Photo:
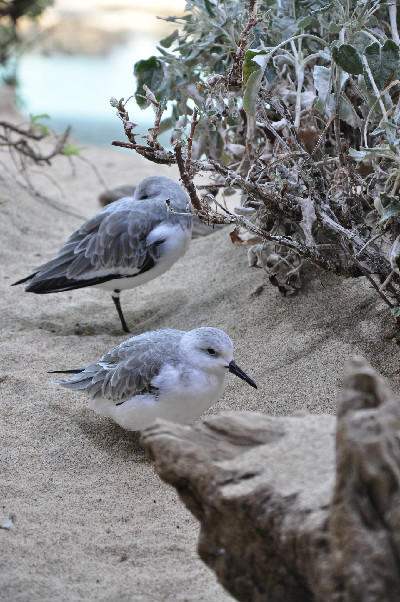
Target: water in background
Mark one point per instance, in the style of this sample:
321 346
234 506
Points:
76 90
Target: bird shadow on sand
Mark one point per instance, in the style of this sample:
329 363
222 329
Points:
91 319
106 436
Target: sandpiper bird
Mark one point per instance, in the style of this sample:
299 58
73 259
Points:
170 374
126 244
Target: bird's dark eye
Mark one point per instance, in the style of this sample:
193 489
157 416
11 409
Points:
211 351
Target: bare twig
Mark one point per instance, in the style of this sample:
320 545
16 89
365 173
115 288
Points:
235 75
266 123
372 281
206 186
354 239
322 136
282 158
23 146
159 109
30 132
272 200
369 242
132 146
124 116
188 184
387 281
190 139
155 155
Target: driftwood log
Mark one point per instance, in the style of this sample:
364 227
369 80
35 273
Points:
286 515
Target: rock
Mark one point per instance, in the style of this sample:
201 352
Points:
284 517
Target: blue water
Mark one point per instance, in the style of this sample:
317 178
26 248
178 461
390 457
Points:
76 91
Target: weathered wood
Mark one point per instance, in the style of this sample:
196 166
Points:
285 518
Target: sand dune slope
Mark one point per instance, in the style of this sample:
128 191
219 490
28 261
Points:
92 521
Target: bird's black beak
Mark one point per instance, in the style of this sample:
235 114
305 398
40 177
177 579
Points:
239 372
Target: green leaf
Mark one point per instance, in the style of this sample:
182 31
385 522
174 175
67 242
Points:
166 124
209 8
357 155
369 153
249 66
255 66
35 124
391 60
251 92
347 57
285 27
390 206
348 113
384 62
43 128
256 60
69 150
216 145
174 18
335 28
303 23
395 311
267 66
150 73
169 40
34 118
322 82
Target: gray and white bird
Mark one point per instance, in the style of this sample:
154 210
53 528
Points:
126 244
170 374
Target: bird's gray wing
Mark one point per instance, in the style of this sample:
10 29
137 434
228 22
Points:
113 240
128 369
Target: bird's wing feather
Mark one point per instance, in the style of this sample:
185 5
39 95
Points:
128 369
115 238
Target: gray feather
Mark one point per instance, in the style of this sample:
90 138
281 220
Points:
128 369
116 236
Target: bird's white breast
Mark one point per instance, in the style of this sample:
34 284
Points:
188 392
183 396
177 240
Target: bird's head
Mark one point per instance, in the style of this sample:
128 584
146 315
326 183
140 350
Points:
212 350
161 187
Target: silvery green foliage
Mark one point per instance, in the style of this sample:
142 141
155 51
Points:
305 121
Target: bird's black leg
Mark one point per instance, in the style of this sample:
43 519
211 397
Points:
115 297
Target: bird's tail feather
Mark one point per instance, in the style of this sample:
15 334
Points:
74 383
83 379
24 279
72 371
43 286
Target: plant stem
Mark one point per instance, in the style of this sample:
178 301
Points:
372 281
336 123
393 22
374 86
300 81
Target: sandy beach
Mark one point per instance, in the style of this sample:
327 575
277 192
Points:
91 521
